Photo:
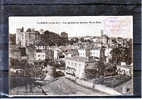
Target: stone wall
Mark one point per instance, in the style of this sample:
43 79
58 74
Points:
99 87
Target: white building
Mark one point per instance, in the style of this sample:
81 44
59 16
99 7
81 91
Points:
23 39
40 55
107 51
108 54
55 54
75 67
95 52
19 33
83 52
26 38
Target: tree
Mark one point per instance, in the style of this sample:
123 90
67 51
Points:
130 58
53 39
121 53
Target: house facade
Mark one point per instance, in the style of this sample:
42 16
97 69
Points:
26 38
84 52
75 67
40 55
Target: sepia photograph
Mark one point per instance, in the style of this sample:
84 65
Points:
71 55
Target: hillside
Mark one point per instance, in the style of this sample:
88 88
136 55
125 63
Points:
52 39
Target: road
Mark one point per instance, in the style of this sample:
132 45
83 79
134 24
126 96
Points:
61 86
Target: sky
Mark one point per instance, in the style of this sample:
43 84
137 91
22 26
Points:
76 26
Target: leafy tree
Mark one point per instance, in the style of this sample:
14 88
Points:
121 53
52 39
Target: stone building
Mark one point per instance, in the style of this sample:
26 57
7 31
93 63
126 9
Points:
80 67
84 52
93 52
31 37
19 33
40 55
26 38
75 67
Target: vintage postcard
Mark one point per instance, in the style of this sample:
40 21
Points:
71 55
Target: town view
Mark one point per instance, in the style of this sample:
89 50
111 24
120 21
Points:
42 62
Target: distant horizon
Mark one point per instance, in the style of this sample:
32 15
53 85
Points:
77 26
73 36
